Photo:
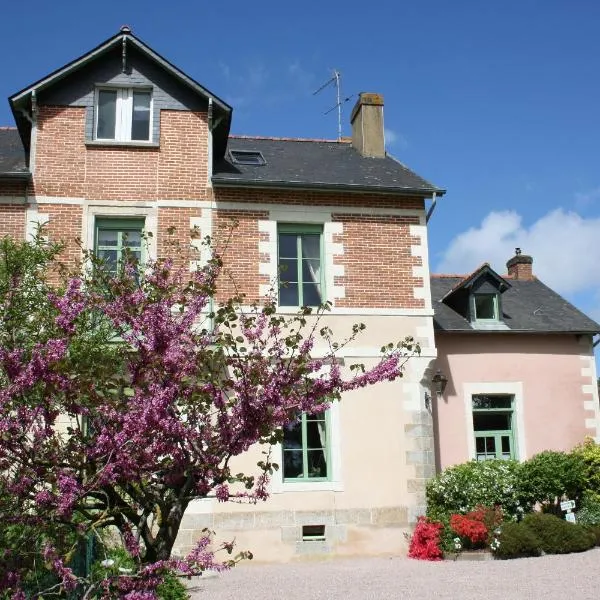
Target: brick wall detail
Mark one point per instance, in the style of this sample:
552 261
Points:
378 261
12 220
66 167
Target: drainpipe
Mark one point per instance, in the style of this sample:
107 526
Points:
431 208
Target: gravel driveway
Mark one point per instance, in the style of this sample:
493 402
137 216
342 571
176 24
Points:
567 577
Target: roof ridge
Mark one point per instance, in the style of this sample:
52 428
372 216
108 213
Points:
7 128
285 139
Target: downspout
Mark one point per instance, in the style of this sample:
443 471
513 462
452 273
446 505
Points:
209 173
431 208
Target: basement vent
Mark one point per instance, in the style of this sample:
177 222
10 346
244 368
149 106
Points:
313 533
247 157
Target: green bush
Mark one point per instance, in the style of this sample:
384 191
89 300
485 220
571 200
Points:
589 510
172 588
595 531
517 541
549 475
558 536
589 453
461 488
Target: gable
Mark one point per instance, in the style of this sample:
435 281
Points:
121 60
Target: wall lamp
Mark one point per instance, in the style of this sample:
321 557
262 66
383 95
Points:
438 385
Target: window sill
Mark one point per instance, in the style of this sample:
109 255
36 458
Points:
116 143
307 486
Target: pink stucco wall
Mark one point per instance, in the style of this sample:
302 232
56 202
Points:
549 368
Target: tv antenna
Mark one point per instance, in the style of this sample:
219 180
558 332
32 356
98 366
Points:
336 80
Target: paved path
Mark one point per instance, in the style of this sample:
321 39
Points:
568 577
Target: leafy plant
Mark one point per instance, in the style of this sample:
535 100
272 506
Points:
549 476
516 541
425 540
589 509
172 588
470 529
589 453
558 536
462 488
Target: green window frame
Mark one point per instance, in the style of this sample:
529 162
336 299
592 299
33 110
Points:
494 426
114 238
300 260
485 307
307 448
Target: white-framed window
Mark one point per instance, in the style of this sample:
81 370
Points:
123 114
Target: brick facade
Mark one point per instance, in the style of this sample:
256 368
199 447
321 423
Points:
67 167
12 220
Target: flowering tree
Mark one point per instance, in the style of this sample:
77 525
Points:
123 398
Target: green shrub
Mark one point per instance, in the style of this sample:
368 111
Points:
461 488
172 588
516 541
549 475
589 453
558 536
595 531
589 510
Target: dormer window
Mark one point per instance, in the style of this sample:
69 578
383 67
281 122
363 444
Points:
484 307
123 114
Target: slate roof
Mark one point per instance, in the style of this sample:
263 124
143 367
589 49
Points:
321 164
527 306
12 155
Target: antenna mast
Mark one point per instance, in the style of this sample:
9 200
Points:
336 79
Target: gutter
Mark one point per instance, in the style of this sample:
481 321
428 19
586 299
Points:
24 176
227 183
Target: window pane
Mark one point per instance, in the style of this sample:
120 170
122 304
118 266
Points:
108 237
485 306
288 269
288 295
317 467
132 238
107 107
311 294
140 120
292 464
110 259
288 247
311 245
481 401
490 421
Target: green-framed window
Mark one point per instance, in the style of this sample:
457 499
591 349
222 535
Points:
306 448
115 238
494 426
485 307
300 262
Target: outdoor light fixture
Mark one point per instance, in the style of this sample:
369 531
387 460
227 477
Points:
438 385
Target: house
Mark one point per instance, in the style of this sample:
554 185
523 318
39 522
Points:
519 365
120 141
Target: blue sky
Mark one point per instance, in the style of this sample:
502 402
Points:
498 102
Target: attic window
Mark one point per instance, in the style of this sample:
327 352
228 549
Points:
485 307
247 157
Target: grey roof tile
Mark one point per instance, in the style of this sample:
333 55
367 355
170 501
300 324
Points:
12 155
318 163
527 306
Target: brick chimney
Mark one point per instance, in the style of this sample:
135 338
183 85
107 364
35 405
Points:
519 266
367 125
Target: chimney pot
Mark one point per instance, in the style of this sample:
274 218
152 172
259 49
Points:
367 125
520 266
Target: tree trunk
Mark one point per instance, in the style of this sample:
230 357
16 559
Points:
163 542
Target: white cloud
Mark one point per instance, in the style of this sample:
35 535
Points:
565 248
392 138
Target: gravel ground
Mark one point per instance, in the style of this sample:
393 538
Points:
568 577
